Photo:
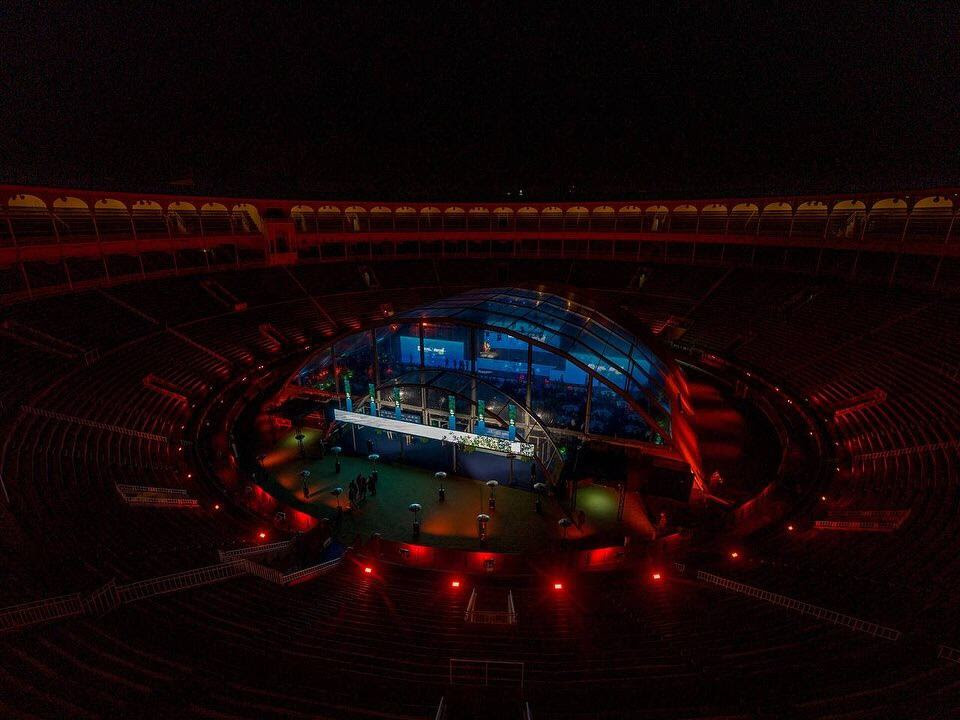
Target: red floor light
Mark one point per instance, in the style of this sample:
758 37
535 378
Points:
558 586
790 528
263 535
734 554
217 506
455 583
656 576
368 570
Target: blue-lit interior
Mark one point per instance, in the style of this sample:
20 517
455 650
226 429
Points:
567 367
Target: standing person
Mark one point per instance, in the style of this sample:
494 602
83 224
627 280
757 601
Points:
352 494
372 484
362 482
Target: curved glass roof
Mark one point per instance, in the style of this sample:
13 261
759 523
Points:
588 337
572 370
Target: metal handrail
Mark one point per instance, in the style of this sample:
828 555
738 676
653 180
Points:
486 665
110 596
255 550
803 608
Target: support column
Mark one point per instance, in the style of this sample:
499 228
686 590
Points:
376 357
586 417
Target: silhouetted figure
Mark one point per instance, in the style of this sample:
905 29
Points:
362 487
372 483
369 446
352 492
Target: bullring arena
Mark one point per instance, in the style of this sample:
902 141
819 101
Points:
640 459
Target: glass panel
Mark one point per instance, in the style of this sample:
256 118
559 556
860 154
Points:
558 391
446 346
316 374
496 415
355 361
611 415
398 349
502 362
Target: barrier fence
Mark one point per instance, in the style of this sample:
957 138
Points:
948 653
179 581
41 611
161 502
131 489
803 608
255 550
856 525
486 673
111 596
53 415
300 576
490 617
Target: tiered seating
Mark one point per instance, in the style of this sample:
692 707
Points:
351 646
250 649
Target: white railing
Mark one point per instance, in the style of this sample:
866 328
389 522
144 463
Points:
309 573
179 581
125 488
441 713
40 611
681 568
897 516
948 653
112 596
255 550
857 525
803 608
261 571
161 502
486 673
490 617
471 604
102 601
493 617
53 415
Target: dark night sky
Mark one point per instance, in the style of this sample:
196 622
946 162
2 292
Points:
416 100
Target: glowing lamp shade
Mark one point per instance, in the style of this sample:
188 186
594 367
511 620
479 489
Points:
217 506
455 584
656 576
734 554
790 528
263 535
368 570
558 586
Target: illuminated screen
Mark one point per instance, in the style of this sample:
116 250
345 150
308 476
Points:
436 353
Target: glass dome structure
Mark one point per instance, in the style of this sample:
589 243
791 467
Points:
554 366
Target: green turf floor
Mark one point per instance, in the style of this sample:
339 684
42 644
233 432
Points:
514 525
